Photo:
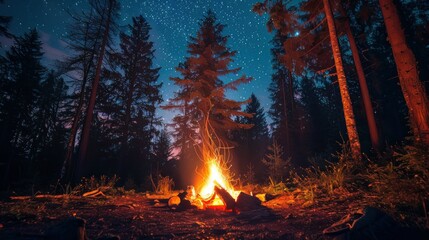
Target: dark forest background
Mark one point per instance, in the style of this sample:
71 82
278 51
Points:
95 113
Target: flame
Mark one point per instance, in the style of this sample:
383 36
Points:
216 177
215 155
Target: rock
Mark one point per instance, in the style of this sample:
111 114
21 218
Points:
70 229
265 197
246 202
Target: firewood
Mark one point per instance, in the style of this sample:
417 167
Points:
209 199
37 197
91 193
246 202
226 198
20 197
174 201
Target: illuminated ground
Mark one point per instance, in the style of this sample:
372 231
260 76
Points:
136 217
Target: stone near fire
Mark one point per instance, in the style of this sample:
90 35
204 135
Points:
265 197
246 202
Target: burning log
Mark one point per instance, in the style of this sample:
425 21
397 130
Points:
174 201
180 202
209 199
226 198
246 202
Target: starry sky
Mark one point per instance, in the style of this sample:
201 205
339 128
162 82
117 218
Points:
172 22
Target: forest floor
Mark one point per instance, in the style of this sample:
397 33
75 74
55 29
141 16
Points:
139 216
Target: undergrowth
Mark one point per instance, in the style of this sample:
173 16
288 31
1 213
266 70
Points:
164 185
105 184
397 181
334 178
400 182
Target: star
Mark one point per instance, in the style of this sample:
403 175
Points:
173 22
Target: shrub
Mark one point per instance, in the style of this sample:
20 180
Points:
103 183
404 180
274 187
165 185
332 178
275 163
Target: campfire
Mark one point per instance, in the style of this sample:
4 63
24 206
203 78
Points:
216 192
214 189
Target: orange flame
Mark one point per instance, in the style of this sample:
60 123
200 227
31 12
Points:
216 177
215 155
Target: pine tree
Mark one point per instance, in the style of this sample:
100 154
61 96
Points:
412 88
317 137
345 96
282 97
162 151
280 19
414 15
50 127
108 11
369 111
275 163
134 91
22 91
84 39
389 105
255 139
202 92
259 129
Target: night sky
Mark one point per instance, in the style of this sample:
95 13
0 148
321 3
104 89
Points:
172 22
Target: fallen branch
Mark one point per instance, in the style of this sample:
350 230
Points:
93 193
38 196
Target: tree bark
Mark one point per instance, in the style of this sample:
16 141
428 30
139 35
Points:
406 65
127 120
369 111
67 169
83 148
342 82
286 118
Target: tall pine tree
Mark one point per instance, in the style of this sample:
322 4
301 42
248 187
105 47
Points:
21 92
84 40
254 140
134 96
107 14
203 91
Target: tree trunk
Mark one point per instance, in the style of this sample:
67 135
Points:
124 160
342 82
286 119
83 148
67 169
369 111
406 65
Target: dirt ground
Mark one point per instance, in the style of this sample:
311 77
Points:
141 217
